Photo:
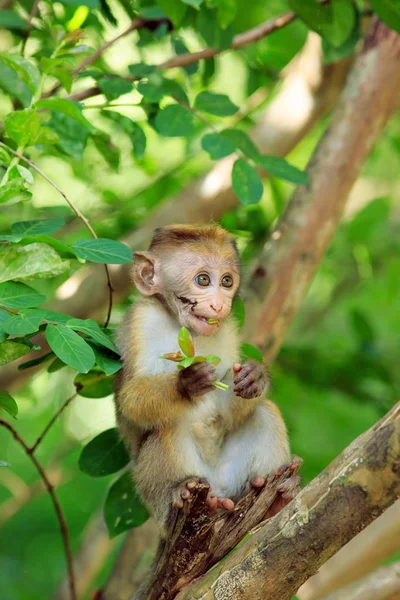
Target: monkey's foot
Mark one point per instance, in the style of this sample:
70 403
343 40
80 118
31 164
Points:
288 489
184 491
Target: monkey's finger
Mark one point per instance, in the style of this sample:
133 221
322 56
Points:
225 503
253 391
185 494
247 382
179 503
237 367
253 372
212 503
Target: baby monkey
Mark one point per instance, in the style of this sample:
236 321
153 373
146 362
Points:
180 429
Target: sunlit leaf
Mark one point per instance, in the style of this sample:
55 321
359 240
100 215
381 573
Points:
68 108
279 167
102 250
11 350
23 68
38 227
3 463
123 508
25 323
217 145
23 126
34 261
70 347
185 342
8 404
18 295
13 192
93 331
114 87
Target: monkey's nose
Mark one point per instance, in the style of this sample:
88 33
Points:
216 307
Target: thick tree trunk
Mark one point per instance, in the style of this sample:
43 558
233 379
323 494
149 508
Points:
352 491
285 268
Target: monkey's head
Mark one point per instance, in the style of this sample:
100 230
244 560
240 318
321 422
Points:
195 270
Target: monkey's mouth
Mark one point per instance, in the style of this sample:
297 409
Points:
207 320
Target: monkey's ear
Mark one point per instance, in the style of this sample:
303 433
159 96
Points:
145 276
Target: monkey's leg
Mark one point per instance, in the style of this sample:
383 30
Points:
255 449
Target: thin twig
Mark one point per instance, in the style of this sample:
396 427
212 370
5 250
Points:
51 423
135 24
32 15
189 58
78 214
56 503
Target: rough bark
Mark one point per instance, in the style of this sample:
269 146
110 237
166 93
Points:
197 541
360 556
382 584
289 260
360 484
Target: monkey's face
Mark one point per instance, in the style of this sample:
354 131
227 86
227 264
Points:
197 284
200 287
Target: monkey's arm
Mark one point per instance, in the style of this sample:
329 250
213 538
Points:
151 401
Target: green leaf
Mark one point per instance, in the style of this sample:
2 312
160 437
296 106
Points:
72 136
388 11
123 508
56 365
141 70
103 250
279 167
246 182
104 455
362 327
217 145
207 24
106 361
68 108
90 3
3 463
11 20
114 87
8 404
12 85
70 347
213 359
94 384
242 142
194 3
93 331
38 227
174 121
132 129
185 342
249 352
23 68
10 350
14 191
34 261
107 149
23 126
334 21
181 48
174 9
18 295
24 323
215 104
35 361
239 312
226 11
25 174
55 317
64 76
187 361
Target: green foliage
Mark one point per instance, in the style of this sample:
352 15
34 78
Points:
250 352
174 121
104 455
215 104
246 182
102 251
70 347
8 404
19 295
388 11
123 508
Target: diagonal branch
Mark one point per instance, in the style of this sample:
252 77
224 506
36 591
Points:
51 422
381 584
56 503
78 214
32 15
360 484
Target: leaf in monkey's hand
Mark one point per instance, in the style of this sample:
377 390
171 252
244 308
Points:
174 356
186 362
123 508
185 342
212 359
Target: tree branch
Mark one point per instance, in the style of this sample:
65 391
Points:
182 60
78 214
382 584
51 422
32 15
57 506
285 268
350 493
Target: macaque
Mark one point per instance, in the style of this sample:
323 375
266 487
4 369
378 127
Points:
180 429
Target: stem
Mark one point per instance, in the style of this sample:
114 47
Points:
76 211
56 503
33 13
51 423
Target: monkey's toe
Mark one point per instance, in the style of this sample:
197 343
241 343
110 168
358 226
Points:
294 465
291 487
219 502
258 482
184 490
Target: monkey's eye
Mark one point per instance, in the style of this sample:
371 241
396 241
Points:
203 279
227 281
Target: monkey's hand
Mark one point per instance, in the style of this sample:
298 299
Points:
197 379
251 380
